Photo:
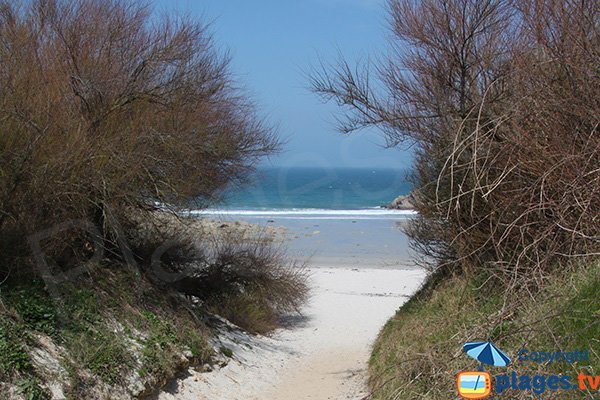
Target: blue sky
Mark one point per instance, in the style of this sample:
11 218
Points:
274 43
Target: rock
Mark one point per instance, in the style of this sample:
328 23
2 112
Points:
402 203
56 390
135 386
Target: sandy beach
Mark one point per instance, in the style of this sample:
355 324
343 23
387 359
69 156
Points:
322 354
360 273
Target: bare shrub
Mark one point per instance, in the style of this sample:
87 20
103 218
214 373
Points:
106 106
500 100
259 266
242 274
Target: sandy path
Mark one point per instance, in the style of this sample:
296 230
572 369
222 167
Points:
322 355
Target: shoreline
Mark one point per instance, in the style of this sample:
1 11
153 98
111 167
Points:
322 354
342 242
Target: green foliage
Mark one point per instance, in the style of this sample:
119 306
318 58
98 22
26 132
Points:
31 389
13 357
88 339
199 347
101 351
95 319
226 351
14 360
502 329
34 306
158 355
162 333
579 320
82 306
195 340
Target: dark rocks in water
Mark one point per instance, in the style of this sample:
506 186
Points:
402 203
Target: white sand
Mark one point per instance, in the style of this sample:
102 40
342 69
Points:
322 355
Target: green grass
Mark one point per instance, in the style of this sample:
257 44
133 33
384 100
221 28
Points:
31 389
108 324
102 351
13 356
96 320
419 351
15 362
157 352
163 343
226 351
33 306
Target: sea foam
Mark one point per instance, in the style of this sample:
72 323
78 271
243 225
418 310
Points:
308 213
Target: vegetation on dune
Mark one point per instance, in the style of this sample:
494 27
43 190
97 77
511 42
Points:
117 331
112 327
105 105
241 274
99 324
419 351
106 110
500 100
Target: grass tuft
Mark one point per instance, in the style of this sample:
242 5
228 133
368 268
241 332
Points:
226 351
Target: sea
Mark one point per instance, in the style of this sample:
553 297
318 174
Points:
326 190
334 216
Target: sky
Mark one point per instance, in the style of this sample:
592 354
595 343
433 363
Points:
273 44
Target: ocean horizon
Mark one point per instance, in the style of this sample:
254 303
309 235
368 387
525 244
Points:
306 192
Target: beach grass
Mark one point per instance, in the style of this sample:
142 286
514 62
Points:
419 351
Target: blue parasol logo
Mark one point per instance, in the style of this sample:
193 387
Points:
486 353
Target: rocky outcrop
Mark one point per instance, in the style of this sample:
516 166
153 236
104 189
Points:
402 203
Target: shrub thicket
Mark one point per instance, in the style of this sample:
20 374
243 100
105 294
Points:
501 100
240 272
105 105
